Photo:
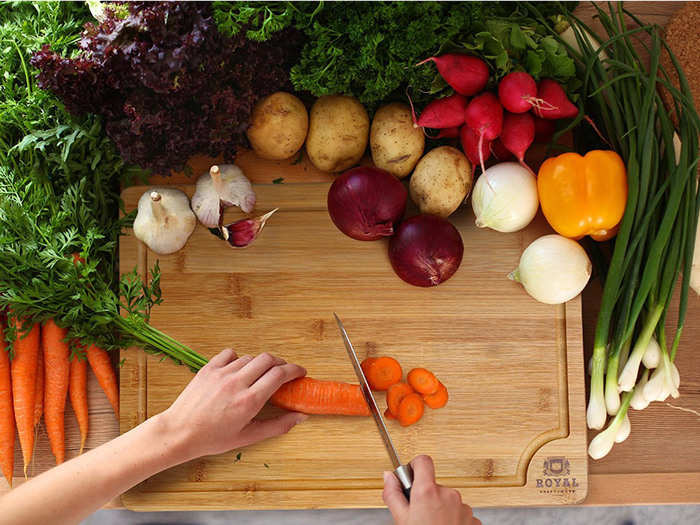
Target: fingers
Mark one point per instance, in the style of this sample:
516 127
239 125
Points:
274 378
258 366
237 364
476 521
258 430
394 498
423 470
223 358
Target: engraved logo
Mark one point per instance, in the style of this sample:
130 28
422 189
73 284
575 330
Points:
556 466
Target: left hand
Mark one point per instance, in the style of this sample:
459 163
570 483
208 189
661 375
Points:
215 413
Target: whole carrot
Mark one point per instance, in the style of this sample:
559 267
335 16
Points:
7 413
23 370
312 396
104 371
57 373
39 392
77 390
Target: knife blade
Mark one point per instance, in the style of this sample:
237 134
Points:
404 473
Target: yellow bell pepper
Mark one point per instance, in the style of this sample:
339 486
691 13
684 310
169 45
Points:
583 195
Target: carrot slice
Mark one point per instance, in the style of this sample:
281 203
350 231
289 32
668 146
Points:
366 364
312 396
395 394
410 409
383 372
438 399
388 414
423 381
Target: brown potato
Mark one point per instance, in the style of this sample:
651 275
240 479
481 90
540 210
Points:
395 144
278 126
441 181
338 132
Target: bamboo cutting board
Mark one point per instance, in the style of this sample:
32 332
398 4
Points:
513 432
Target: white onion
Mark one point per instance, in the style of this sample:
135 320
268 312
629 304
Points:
553 269
505 197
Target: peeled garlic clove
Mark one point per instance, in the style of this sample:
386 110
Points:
553 269
164 220
242 233
223 186
652 354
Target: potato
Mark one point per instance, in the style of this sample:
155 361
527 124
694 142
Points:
395 144
441 181
338 131
278 126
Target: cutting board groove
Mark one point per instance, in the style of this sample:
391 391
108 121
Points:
511 434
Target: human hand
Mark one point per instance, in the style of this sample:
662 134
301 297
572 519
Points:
430 502
215 413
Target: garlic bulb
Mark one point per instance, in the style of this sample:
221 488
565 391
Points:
652 355
505 197
553 269
164 220
223 186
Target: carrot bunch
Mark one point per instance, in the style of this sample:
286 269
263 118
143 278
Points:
37 381
406 401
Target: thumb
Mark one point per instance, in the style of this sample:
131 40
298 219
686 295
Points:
394 498
258 430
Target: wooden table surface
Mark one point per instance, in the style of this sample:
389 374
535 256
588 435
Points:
658 464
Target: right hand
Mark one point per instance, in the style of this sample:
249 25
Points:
216 411
430 502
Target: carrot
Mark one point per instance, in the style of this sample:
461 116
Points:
7 413
410 409
383 372
23 370
57 372
423 381
77 390
438 399
395 394
388 414
39 392
366 364
104 371
312 396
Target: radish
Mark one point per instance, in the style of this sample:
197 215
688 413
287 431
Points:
552 94
442 113
518 133
499 151
544 129
447 133
470 146
517 92
484 115
466 74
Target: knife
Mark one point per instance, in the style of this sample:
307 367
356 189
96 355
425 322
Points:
404 473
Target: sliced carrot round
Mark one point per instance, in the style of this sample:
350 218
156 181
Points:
366 364
410 409
383 372
395 394
423 381
388 414
438 399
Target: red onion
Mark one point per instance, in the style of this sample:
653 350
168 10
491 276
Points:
426 250
364 203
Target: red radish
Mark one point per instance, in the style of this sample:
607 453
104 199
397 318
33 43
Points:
484 115
518 133
499 151
552 94
470 146
442 113
466 74
447 133
517 92
544 129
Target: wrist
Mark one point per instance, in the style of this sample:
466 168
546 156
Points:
172 439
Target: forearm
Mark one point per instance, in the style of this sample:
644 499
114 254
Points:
70 492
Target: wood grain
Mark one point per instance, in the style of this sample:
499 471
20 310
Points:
511 389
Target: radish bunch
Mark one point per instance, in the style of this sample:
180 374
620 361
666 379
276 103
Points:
487 124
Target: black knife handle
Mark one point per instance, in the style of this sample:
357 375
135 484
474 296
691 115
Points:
407 493
404 473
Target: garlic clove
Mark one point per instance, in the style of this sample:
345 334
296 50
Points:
225 185
164 220
242 233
